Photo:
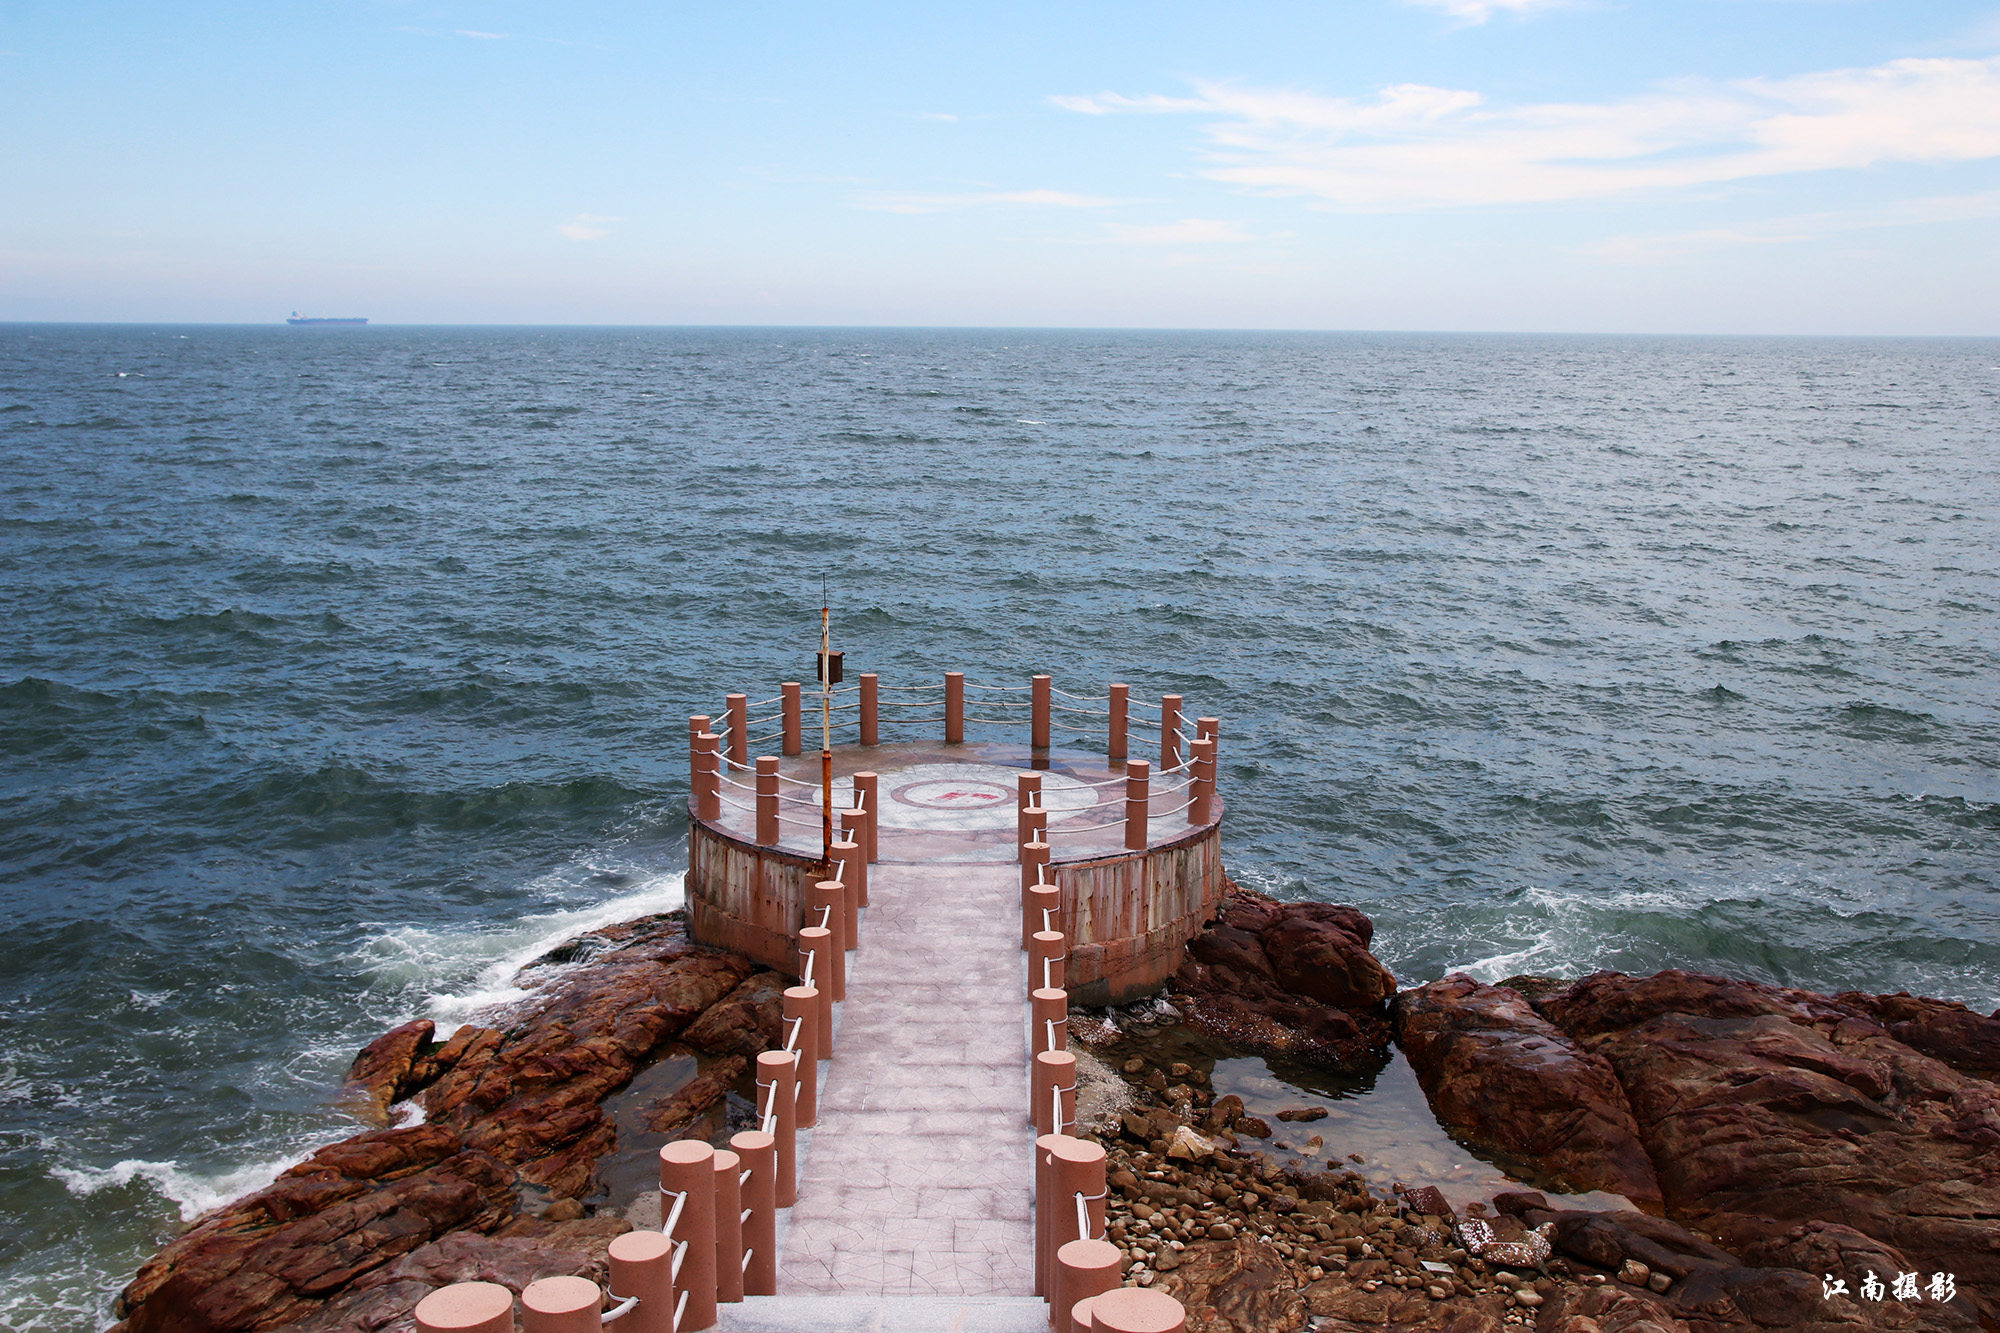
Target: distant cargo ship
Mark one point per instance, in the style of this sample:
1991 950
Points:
297 319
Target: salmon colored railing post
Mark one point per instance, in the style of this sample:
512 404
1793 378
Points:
1054 1073
789 693
759 1152
852 868
1027 795
815 957
829 907
1048 1022
777 1081
1084 1268
1039 912
1170 731
708 797
1121 704
642 1266
1211 727
1038 729
687 1170
767 799
1076 1168
467 1307
739 731
1136 1310
1048 950
564 1305
802 1008
697 724
864 787
1138 803
1202 788
728 1227
870 708
954 707
1035 872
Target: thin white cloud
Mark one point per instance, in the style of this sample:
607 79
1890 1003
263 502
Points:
1412 146
1188 231
586 227
482 36
936 115
1478 11
946 203
1803 227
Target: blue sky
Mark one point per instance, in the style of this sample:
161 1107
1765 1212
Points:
1813 166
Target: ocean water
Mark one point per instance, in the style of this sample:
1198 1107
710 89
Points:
344 669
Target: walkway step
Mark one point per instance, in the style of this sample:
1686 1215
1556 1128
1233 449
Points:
884 1314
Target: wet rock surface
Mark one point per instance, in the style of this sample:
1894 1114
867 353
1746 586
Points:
1289 979
1506 1078
354 1236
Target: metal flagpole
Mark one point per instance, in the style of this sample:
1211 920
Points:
826 727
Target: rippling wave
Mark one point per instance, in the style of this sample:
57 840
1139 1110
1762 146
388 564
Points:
344 672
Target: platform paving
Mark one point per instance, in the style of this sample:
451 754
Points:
917 1181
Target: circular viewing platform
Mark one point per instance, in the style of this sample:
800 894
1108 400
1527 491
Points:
1130 844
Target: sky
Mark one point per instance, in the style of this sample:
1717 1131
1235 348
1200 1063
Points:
1687 166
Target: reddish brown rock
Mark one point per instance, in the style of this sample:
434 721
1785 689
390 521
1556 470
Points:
674 1113
383 1302
1942 1029
1292 979
744 1022
1235 1286
1756 1102
530 1096
382 1074
273 1257
1497 1072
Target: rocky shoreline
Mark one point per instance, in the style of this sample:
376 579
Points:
1761 1141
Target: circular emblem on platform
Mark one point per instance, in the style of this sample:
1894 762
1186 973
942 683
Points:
963 794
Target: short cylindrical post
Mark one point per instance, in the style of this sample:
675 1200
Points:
1138 803
467 1307
1027 795
1084 1268
1048 1021
777 1076
728 1228
642 1265
829 907
1054 1073
1201 790
1035 866
1170 731
687 1170
870 708
1210 727
767 799
1038 730
954 707
802 1009
1076 1167
697 724
568 1305
1079 1314
759 1152
789 693
1038 912
1044 1195
739 731
1048 951
708 798
1121 707
818 943
864 786
1136 1310
852 868
1034 821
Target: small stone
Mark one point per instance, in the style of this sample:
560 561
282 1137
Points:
1437 1292
1634 1272
1252 1126
1222 1231
1529 1297
563 1210
1297 1113
1178 1071
1135 1066
1659 1282
1157 1081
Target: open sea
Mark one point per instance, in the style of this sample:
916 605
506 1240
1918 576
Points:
343 669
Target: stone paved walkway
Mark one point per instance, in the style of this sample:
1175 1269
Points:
917 1182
